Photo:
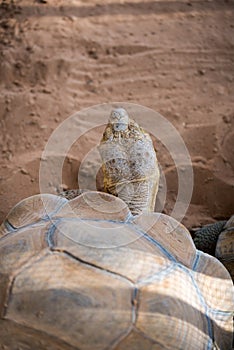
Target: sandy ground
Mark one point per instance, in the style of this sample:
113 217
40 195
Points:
176 57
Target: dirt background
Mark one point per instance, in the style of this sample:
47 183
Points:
176 57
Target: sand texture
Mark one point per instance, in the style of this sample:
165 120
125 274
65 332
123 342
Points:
176 57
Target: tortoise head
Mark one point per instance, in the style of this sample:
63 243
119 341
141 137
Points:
119 119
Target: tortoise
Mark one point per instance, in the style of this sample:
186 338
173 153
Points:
131 172
87 274
218 240
130 165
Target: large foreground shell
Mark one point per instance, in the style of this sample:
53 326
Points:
85 274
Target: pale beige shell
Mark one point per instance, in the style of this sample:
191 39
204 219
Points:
86 274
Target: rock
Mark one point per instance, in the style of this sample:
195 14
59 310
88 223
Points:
24 171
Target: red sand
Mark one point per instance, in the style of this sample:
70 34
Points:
176 57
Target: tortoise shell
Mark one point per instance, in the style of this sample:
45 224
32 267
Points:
86 274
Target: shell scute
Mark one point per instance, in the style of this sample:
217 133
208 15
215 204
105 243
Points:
32 210
97 280
67 301
95 205
173 302
106 245
170 235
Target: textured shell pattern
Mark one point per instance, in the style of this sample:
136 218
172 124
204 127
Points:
86 274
